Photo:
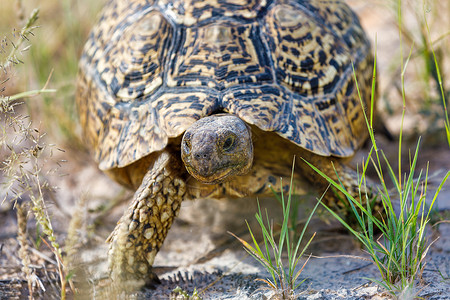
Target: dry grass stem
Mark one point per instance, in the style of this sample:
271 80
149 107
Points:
25 154
74 237
22 217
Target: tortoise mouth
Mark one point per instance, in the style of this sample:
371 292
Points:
217 176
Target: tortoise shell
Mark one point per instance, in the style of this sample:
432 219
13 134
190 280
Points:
150 69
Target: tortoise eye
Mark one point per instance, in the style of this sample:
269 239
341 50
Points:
228 144
187 146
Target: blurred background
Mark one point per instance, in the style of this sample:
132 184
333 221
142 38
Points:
56 44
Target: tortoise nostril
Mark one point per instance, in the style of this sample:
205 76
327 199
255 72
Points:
202 155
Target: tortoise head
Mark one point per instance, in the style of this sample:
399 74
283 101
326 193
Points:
217 147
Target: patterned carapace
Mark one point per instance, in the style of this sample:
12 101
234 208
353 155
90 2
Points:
152 68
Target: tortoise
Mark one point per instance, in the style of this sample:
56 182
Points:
188 99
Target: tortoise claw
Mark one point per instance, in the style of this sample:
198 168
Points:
152 281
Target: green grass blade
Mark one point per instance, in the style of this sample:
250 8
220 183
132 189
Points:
301 269
336 185
256 249
437 193
266 235
294 254
441 85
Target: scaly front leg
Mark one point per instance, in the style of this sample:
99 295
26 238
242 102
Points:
141 231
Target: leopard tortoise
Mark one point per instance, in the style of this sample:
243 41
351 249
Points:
184 99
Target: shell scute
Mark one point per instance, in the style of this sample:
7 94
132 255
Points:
310 57
219 55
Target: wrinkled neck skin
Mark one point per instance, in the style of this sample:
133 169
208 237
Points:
217 148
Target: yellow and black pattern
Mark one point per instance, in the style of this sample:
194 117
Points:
340 20
137 58
219 56
193 12
308 57
150 69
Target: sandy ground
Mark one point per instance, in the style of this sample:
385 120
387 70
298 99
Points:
198 249
199 253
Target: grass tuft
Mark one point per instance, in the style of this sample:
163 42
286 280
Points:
284 279
400 251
